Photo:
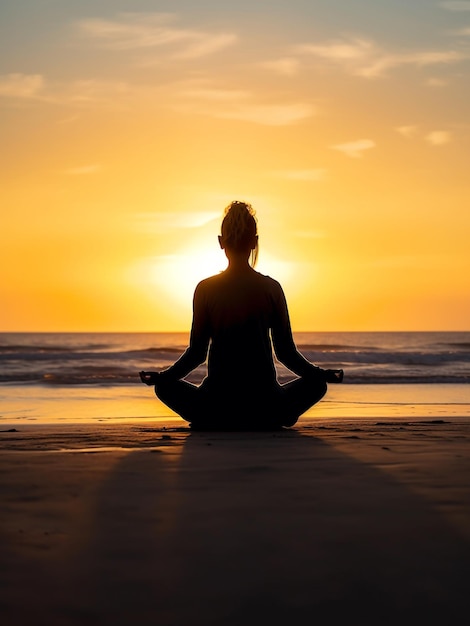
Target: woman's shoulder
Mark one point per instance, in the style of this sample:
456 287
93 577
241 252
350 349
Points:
269 281
226 280
206 284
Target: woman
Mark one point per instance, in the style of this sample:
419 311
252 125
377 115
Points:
236 316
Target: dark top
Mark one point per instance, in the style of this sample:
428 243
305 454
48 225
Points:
235 316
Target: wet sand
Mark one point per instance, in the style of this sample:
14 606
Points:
363 521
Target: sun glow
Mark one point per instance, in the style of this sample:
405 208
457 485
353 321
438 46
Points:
173 277
178 274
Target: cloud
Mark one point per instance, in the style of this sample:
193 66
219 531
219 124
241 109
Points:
96 91
269 114
455 6
430 58
81 93
436 82
207 44
103 94
134 31
214 94
340 50
21 85
434 138
83 170
354 149
287 66
438 137
361 57
407 131
302 175
200 97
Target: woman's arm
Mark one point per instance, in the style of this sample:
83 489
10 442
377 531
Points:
283 340
196 352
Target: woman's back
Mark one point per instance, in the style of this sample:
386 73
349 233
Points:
238 309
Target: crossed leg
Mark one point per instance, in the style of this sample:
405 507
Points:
282 406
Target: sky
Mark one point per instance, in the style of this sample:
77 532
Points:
127 127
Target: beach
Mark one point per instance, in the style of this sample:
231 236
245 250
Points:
114 512
361 521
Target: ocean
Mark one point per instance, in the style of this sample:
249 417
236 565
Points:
94 376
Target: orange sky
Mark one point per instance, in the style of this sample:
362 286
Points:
125 134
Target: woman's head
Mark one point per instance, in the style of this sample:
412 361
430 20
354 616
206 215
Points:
239 230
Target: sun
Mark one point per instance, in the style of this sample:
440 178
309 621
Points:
163 284
175 276
186 269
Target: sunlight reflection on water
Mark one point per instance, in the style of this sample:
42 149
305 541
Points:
22 404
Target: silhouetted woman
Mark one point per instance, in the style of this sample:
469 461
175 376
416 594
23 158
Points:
236 316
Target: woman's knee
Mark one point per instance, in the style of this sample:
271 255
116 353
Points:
164 389
182 397
290 420
322 388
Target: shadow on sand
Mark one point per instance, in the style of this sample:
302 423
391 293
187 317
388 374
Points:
257 528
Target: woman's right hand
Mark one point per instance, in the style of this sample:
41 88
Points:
149 378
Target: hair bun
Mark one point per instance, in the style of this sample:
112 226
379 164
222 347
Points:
239 227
